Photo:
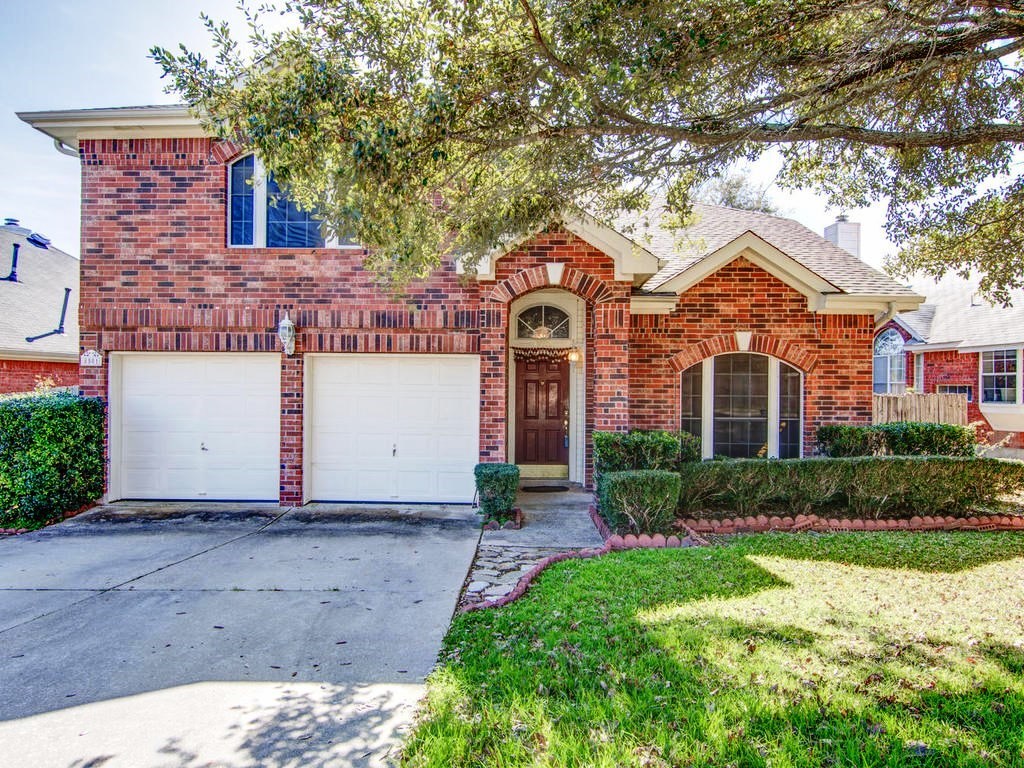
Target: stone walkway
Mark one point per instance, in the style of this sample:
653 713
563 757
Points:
552 523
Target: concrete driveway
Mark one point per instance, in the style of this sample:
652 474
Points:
223 635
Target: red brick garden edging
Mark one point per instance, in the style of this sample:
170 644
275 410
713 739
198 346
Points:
761 523
750 524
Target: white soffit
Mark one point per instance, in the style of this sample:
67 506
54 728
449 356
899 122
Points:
653 304
69 125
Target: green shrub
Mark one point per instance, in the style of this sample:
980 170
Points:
51 456
643 449
902 438
496 486
639 500
839 440
866 486
910 438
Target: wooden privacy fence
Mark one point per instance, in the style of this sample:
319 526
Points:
912 406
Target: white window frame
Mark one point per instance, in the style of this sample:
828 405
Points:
919 372
707 404
1018 377
259 213
892 386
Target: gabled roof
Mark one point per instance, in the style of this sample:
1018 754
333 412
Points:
714 227
954 316
32 305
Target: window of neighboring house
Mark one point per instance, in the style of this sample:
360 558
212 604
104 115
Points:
890 363
956 389
919 372
260 215
743 405
999 376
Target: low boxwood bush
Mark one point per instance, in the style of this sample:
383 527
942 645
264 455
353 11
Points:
868 486
639 500
911 438
901 438
51 456
643 449
496 486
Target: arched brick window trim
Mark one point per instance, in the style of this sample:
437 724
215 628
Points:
586 286
761 343
227 151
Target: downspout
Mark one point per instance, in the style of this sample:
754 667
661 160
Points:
889 315
64 149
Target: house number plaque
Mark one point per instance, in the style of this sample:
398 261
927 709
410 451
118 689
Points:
91 359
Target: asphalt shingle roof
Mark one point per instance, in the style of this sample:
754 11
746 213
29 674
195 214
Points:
32 305
954 314
715 226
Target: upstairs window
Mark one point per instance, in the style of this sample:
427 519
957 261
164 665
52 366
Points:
999 374
260 215
890 364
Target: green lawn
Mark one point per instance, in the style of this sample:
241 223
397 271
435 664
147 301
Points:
883 649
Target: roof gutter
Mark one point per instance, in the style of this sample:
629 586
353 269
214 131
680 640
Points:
64 149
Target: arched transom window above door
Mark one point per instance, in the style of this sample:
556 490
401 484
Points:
743 406
542 322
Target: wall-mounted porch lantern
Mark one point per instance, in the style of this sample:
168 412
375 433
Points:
574 355
286 332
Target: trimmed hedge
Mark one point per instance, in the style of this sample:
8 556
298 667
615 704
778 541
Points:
496 486
643 449
639 500
901 438
51 456
867 487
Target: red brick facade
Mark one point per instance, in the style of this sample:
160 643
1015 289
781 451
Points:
156 275
833 351
953 368
26 375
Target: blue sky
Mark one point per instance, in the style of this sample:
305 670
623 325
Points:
67 54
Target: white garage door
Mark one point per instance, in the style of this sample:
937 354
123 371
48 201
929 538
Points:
198 426
393 427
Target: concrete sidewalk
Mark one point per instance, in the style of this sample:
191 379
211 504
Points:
228 635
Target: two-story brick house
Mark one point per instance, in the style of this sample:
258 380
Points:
748 330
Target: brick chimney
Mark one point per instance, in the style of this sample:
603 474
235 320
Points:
845 234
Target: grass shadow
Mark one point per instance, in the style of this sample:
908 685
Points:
778 650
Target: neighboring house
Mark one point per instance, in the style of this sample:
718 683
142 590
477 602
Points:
957 343
38 312
748 330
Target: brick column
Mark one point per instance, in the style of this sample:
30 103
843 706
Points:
493 381
611 365
291 430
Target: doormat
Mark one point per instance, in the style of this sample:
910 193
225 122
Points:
544 488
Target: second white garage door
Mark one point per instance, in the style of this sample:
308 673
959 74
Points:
393 427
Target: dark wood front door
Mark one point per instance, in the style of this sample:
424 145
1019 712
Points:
542 412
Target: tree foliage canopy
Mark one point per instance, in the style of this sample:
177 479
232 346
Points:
427 127
735 189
